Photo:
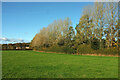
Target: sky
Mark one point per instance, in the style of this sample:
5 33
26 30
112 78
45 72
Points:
22 20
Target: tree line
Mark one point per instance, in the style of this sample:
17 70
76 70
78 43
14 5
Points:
15 46
98 30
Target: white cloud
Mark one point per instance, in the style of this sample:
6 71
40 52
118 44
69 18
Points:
11 40
3 39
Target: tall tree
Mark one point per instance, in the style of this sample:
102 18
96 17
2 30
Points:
111 17
70 36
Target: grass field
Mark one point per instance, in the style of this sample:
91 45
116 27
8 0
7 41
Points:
31 64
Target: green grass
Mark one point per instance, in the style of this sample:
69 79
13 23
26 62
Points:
31 64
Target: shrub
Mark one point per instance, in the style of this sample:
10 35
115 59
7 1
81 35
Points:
54 48
42 49
108 51
84 49
61 42
69 50
35 48
95 44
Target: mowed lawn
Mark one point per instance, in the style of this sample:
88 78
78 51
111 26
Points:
31 64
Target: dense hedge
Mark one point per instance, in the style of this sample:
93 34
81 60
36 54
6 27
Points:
108 51
82 49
